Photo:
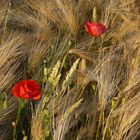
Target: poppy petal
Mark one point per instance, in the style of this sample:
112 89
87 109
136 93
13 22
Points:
31 85
27 89
95 28
23 92
37 97
15 90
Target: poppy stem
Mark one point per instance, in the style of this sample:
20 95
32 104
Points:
21 106
91 44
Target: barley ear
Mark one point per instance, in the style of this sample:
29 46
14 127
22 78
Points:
55 76
71 109
70 75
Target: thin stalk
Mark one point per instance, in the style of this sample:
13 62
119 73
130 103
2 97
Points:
99 125
6 20
20 108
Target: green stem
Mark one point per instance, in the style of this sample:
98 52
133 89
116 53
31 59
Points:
20 108
99 125
15 127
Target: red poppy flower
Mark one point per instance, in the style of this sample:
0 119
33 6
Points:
95 28
26 89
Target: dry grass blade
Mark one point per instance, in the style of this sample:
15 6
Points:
11 56
107 79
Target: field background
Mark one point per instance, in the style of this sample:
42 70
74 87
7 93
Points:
90 85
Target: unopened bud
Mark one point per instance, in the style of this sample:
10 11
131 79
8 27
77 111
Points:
25 138
94 14
13 124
